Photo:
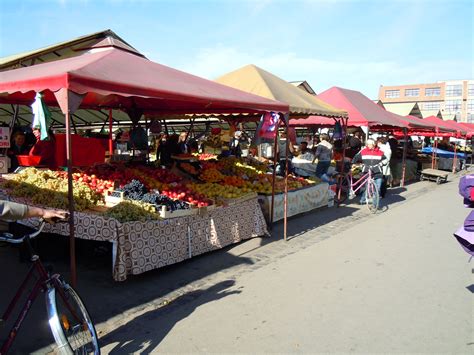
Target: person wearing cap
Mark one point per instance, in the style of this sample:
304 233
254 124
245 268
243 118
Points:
373 160
323 155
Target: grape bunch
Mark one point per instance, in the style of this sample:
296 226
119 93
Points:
127 211
134 190
158 200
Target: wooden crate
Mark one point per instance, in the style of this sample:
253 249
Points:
165 213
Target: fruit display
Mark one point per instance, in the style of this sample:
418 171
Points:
135 190
206 156
211 175
48 188
130 210
147 188
189 168
216 191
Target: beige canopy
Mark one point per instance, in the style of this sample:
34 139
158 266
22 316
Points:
260 82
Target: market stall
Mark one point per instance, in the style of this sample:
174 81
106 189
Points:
255 80
115 78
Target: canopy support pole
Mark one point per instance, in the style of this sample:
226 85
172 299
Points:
287 148
455 157
404 157
69 103
275 146
111 143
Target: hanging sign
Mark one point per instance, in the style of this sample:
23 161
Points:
4 137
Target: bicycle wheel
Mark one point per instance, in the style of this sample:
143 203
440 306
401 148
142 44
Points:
342 188
372 196
69 321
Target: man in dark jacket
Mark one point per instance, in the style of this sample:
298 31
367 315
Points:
373 159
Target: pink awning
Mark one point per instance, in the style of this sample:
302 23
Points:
114 78
362 111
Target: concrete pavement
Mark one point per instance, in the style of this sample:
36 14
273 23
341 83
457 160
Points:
346 281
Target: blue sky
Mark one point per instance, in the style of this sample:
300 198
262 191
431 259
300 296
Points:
353 44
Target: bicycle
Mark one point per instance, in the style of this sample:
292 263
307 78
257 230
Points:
70 323
347 188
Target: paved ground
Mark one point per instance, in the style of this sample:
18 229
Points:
346 281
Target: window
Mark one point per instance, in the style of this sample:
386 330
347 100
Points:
470 89
470 105
435 105
453 90
412 92
470 117
392 93
432 91
453 105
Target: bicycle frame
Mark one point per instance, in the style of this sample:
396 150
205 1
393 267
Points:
40 285
362 181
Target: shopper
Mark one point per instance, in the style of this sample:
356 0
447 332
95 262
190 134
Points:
387 174
373 159
12 211
323 155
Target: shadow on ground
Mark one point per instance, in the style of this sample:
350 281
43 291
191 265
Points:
151 332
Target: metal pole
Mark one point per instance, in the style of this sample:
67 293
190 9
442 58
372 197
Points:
404 161
455 157
433 150
111 145
70 192
285 218
275 146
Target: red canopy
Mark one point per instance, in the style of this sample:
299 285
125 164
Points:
469 127
362 111
442 125
461 130
417 124
114 78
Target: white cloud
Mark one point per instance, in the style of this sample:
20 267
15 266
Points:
364 76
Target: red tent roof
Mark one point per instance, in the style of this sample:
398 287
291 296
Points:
469 127
442 125
459 128
113 78
417 123
362 111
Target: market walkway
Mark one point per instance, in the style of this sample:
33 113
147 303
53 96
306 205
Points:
396 281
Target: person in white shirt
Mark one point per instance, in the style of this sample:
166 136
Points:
387 174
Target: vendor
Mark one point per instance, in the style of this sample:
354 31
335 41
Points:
235 148
183 147
323 155
46 149
303 163
18 147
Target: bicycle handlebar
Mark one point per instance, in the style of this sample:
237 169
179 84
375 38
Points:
10 238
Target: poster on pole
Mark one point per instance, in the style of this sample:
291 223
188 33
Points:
4 137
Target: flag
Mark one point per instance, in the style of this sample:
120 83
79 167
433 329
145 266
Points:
42 117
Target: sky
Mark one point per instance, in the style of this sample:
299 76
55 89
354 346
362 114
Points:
355 44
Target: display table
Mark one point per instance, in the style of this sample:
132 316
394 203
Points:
144 246
299 201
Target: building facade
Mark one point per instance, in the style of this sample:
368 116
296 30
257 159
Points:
454 98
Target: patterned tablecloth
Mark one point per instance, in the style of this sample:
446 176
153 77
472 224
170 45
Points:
144 246
299 201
